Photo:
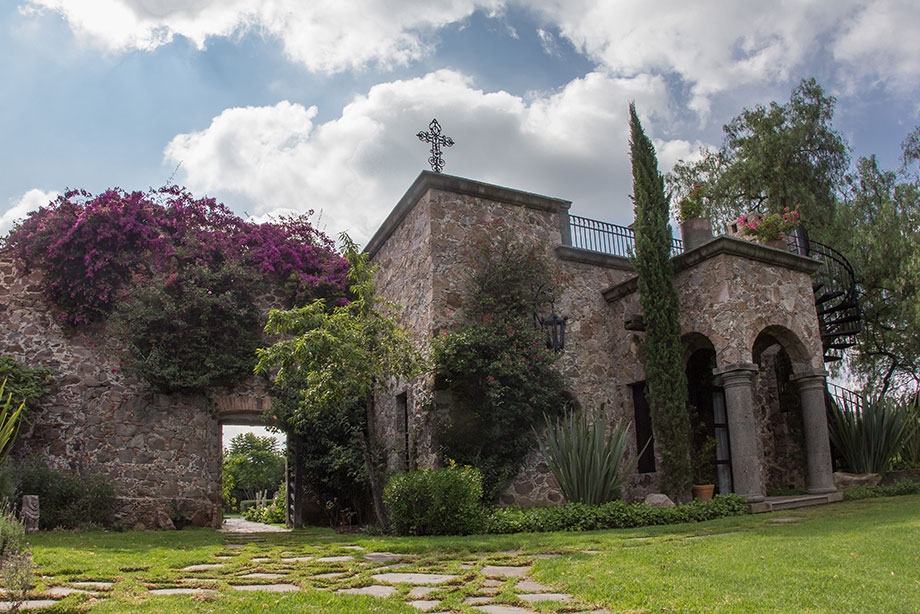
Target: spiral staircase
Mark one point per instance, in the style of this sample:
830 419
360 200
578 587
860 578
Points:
836 296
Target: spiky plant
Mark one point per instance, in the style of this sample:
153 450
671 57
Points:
587 460
870 436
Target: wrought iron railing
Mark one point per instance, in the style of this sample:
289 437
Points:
845 398
608 238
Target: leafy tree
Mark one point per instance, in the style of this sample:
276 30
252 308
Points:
662 354
339 357
879 231
773 157
496 364
253 464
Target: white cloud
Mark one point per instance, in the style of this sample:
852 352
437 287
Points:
571 144
30 201
711 45
881 43
323 36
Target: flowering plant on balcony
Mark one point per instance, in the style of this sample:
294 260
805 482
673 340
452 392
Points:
691 205
769 227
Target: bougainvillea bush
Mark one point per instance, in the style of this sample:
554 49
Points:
181 275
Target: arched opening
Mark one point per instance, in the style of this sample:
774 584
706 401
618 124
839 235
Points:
776 353
253 458
711 451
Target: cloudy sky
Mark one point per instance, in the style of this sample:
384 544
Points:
281 105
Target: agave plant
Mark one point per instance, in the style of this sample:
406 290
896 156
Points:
910 451
9 423
588 461
870 435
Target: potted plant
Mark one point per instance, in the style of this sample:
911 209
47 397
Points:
769 229
704 469
695 229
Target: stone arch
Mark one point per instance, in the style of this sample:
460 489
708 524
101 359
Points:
779 356
789 341
708 415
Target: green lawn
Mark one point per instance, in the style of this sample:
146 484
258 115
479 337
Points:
861 556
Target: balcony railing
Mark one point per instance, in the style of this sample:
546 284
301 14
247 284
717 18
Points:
608 238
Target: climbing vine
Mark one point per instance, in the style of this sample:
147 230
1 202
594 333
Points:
494 361
180 277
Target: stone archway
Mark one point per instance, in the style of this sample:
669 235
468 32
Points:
789 397
706 404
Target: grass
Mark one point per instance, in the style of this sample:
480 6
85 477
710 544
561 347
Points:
858 556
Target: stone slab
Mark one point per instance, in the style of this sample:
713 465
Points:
63 591
29 605
505 571
179 591
529 586
352 547
334 559
374 591
477 600
502 609
413 578
296 559
271 588
546 556
94 584
421 591
265 576
491 582
535 597
328 576
382 557
203 567
260 559
425 604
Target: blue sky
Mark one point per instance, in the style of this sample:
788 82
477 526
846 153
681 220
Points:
273 107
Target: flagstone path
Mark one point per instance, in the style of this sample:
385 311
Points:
494 583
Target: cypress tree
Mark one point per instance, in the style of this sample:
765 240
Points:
662 355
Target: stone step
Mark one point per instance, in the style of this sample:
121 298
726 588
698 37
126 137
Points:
775 504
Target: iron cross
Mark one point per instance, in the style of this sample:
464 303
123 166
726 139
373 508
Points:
434 137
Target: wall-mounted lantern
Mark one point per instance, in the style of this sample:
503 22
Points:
555 331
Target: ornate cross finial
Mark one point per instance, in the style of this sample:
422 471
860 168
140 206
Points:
434 137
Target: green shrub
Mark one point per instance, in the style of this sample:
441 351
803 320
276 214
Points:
612 515
68 500
882 490
586 460
870 437
435 502
12 532
27 385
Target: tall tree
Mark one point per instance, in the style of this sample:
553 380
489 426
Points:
341 356
772 157
879 231
662 354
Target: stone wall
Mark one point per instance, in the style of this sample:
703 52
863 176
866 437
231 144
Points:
731 293
100 420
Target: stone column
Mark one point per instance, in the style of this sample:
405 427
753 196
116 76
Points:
743 431
817 443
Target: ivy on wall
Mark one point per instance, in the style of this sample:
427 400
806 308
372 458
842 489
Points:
495 363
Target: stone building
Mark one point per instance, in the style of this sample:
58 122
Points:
755 348
751 332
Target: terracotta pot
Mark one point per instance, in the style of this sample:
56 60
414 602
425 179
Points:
703 492
779 243
695 232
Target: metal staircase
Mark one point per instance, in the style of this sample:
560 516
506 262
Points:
836 296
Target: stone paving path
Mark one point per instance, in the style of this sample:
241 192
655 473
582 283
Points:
241 525
494 583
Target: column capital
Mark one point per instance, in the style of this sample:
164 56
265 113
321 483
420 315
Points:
798 374
810 379
739 374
